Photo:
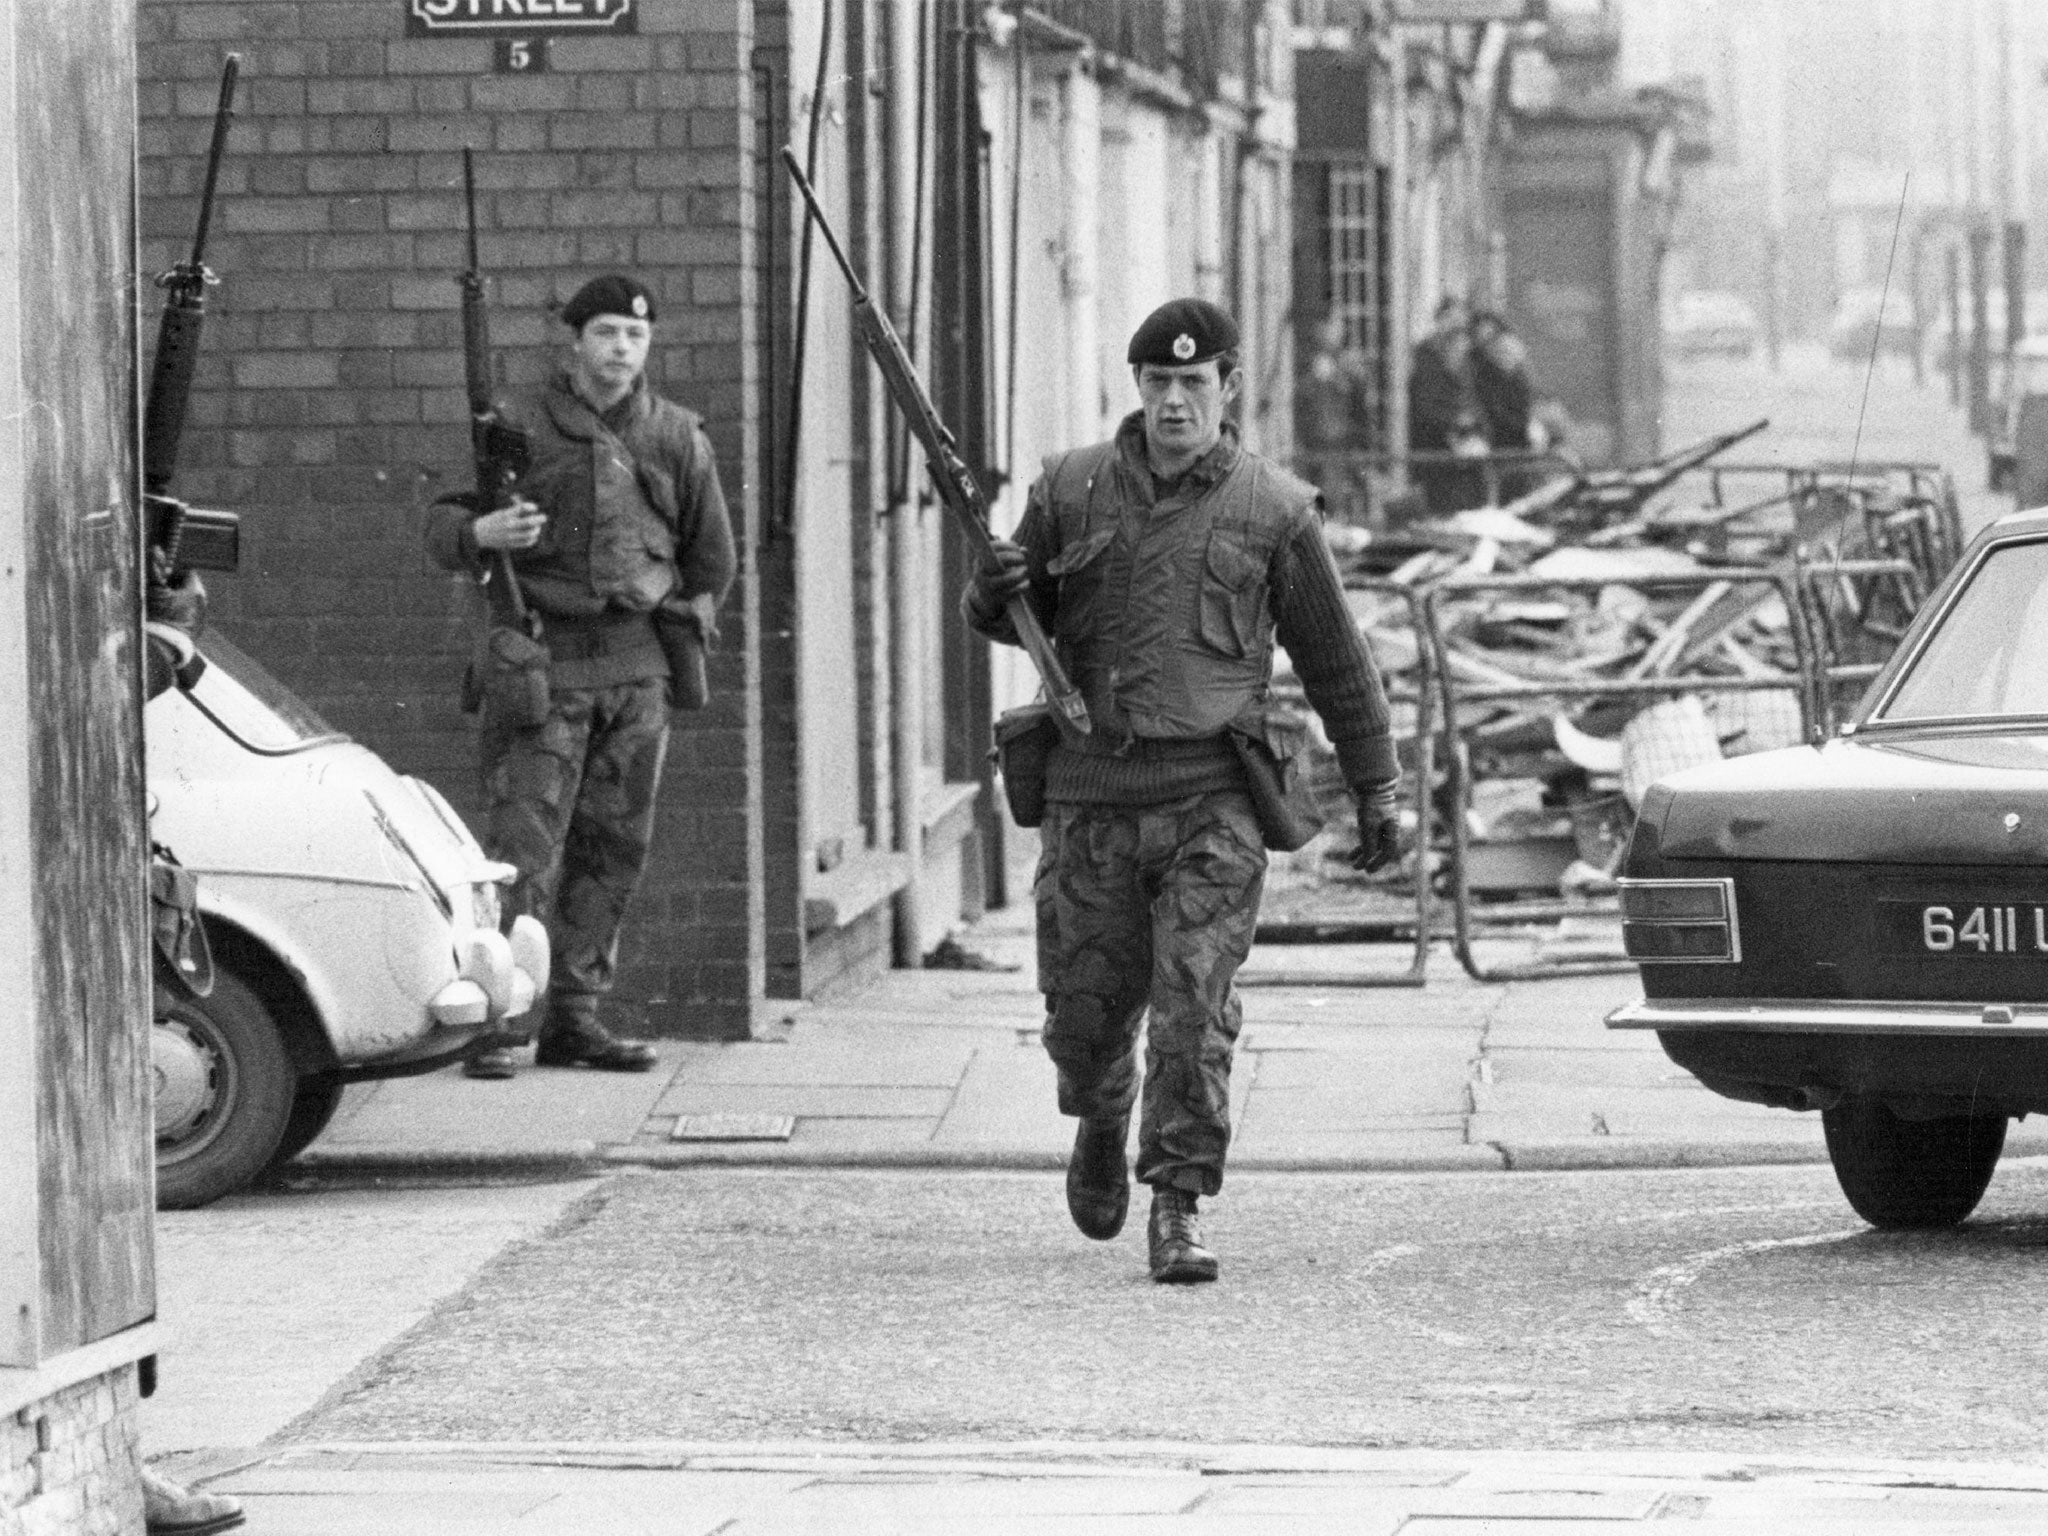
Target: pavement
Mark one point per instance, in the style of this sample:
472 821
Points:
1121 1489
945 1069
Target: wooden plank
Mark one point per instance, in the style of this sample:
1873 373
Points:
20 1284
73 127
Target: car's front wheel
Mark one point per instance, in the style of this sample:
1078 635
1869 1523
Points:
224 1093
318 1099
1901 1173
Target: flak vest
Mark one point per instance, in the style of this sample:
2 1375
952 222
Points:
1164 619
618 547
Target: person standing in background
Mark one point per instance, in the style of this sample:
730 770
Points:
1334 411
1506 392
1444 417
620 542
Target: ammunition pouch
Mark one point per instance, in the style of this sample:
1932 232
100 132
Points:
508 678
1274 755
682 646
1025 738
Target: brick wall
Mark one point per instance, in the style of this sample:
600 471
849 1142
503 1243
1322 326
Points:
330 406
68 1464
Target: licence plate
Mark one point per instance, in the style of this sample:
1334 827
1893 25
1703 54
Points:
1968 930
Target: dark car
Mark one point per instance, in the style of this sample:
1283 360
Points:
1861 927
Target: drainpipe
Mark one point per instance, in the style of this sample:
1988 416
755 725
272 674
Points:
1081 157
908 591
1394 51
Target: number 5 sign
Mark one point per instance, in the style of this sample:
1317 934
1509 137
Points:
526 18
520 56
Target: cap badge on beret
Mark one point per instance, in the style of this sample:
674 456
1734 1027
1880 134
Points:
640 306
1183 346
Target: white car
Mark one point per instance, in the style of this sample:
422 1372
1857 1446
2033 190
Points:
354 922
1711 323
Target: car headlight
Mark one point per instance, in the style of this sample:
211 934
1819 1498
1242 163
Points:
1687 921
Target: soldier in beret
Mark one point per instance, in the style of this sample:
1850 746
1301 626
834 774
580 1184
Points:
620 543
1165 564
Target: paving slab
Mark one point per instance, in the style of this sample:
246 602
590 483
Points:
864 1504
821 1132
542 1110
819 1053
1341 1107
1559 1064
1008 1097
1407 1082
805 1100
1513 1098
1390 1151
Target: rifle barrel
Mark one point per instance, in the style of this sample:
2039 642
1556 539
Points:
180 325
469 204
223 115
950 477
810 197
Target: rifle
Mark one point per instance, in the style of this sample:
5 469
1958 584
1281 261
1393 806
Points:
210 540
501 451
950 477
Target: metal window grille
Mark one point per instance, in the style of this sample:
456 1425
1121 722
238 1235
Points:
1358 288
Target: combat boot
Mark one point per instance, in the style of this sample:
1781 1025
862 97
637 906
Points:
1179 1256
1099 1178
498 1060
571 1040
605 1054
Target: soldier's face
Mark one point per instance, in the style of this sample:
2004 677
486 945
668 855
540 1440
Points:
1184 405
611 350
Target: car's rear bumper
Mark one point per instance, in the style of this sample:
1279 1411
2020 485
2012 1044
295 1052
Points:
1815 1016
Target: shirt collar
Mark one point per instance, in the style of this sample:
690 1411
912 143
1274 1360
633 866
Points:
1203 473
579 418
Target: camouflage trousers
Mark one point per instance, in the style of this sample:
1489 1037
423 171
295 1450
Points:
571 805
1149 909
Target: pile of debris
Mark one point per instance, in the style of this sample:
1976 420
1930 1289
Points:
1567 649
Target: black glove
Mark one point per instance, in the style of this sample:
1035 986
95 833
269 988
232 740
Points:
174 597
1379 826
1004 575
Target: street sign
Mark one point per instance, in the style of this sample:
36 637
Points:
520 56
525 18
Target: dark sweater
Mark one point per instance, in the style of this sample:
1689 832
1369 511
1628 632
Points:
1311 619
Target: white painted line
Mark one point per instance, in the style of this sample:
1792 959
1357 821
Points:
1657 1293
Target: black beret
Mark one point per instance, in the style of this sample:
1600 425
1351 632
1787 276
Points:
612 294
1183 331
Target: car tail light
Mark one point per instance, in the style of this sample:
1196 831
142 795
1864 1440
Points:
1691 921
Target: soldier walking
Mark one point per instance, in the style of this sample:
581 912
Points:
619 542
1165 563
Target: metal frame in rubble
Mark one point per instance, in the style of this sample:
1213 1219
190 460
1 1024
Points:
1836 597
1931 545
1423 699
1465 915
